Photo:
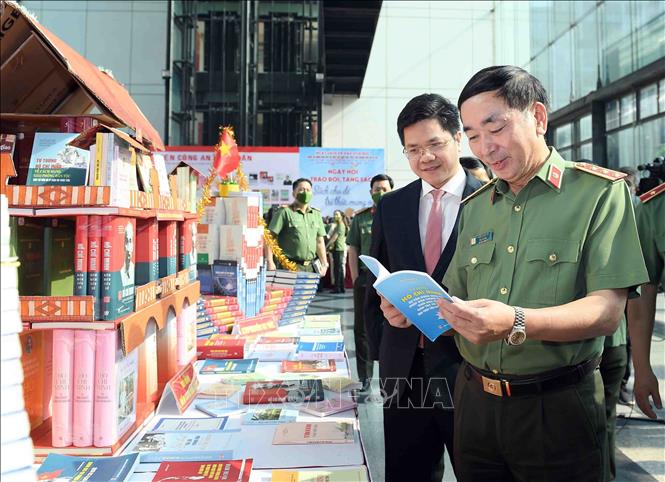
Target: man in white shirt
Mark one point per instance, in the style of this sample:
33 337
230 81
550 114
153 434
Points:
415 228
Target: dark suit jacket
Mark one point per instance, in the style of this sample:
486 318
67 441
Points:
396 244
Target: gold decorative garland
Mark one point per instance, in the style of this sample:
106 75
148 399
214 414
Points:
206 198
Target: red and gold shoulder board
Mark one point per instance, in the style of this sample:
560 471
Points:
649 195
600 171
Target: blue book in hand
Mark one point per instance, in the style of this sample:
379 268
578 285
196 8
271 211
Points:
414 294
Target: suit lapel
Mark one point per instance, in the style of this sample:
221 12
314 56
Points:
412 228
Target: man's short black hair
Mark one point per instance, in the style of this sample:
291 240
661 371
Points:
470 162
516 86
299 180
429 106
381 177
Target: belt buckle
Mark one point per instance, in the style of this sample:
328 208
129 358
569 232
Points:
492 386
306 262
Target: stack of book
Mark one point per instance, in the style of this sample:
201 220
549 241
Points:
301 287
15 442
216 314
230 251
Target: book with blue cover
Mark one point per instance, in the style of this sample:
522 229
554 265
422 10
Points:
213 366
54 162
414 294
184 446
65 467
225 278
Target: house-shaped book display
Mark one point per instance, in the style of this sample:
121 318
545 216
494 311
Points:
92 211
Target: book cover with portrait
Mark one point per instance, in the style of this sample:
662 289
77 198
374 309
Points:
118 265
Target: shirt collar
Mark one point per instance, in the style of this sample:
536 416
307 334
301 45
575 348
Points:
551 173
454 186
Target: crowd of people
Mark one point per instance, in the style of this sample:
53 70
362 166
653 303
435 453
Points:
526 386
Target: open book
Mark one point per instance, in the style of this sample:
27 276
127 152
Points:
414 294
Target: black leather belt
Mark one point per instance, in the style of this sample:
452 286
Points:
515 386
304 262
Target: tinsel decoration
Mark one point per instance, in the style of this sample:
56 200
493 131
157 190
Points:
274 247
206 197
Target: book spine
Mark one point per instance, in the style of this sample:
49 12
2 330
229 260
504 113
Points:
94 264
99 157
81 256
84 376
104 414
47 405
63 373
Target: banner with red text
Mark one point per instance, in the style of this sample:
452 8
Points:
270 170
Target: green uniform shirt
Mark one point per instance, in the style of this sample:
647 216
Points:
565 234
360 233
297 232
340 241
651 226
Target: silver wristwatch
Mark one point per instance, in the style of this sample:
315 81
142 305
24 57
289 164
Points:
517 335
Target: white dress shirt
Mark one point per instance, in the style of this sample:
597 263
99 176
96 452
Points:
451 201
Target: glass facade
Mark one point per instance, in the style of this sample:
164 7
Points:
580 50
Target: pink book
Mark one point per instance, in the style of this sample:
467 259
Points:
104 420
81 256
63 374
84 377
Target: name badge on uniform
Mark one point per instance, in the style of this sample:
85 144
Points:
482 238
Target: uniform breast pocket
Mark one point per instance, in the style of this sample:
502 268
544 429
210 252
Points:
296 229
550 277
366 230
477 261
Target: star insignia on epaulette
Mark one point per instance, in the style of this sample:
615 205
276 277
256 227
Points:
600 171
649 195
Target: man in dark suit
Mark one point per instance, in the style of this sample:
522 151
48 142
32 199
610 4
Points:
415 228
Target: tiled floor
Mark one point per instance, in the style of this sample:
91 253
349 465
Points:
640 443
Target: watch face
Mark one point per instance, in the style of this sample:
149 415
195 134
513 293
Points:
517 337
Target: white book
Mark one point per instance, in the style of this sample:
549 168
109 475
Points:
15 426
11 322
12 399
25 474
16 455
230 242
219 212
10 347
11 372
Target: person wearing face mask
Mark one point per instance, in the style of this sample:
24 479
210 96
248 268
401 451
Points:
337 245
359 240
415 228
299 231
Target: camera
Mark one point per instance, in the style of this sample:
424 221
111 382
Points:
656 175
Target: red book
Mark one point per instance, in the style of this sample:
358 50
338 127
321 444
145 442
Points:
229 470
95 263
220 348
81 256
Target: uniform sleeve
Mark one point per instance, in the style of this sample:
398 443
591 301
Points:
455 278
353 238
372 307
611 252
321 230
277 223
646 227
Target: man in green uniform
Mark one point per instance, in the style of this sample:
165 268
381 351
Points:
299 230
642 311
545 258
359 240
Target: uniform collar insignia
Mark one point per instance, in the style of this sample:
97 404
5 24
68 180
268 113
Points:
552 170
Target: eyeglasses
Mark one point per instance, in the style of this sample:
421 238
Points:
415 153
